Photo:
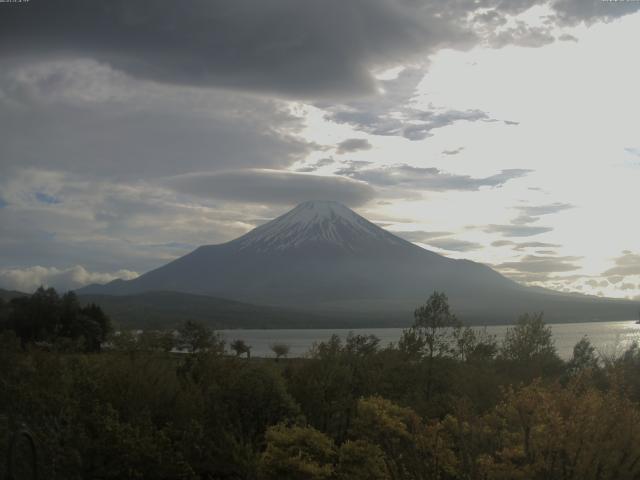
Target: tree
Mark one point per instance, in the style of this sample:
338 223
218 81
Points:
196 337
280 350
297 453
361 460
411 449
432 333
529 339
241 347
584 357
156 341
434 324
471 344
35 318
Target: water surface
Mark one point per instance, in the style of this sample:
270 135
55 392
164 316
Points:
608 337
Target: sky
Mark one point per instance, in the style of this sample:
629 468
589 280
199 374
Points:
505 132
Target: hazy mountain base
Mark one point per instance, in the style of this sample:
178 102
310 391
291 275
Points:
152 310
332 265
168 309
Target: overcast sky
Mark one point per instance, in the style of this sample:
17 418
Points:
503 131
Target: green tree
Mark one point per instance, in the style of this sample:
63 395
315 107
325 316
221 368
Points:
241 348
280 350
434 325
196 337
361 460
530 338
584 357
297 453
432 334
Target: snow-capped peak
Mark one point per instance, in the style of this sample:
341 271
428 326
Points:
318 221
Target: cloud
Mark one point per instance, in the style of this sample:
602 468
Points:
440 240
89 119
420 236
453 151
541 264
432 179
48 199
520 246
282 46
272 187
520 225
633 151
411 124
353 145
502 243
539 210
323 162
516 230
455 245
627 264
523 245
392 113
105 225
28 279
531 214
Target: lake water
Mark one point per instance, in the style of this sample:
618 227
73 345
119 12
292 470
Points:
607 337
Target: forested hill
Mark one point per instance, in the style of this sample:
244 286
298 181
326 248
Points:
169 309
9 294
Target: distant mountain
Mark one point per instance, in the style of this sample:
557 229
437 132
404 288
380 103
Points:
7 295
323 257
169 309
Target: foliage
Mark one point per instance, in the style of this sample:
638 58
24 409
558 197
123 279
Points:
297 453
464 409
197 337
58 321
433 326
241 348
280 350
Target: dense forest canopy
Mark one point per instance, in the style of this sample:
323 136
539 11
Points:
445 402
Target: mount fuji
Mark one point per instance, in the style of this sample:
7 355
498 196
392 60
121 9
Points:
323 257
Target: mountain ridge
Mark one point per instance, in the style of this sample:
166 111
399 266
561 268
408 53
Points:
323 257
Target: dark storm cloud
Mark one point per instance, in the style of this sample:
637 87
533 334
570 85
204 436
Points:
272 187
293 47
353 145
433 179
287 46
83 117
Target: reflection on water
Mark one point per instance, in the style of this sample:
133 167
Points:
608 337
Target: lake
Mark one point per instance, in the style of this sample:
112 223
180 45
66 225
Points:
607 337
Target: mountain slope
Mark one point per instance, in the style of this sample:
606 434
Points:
323 257
169 309
9 294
